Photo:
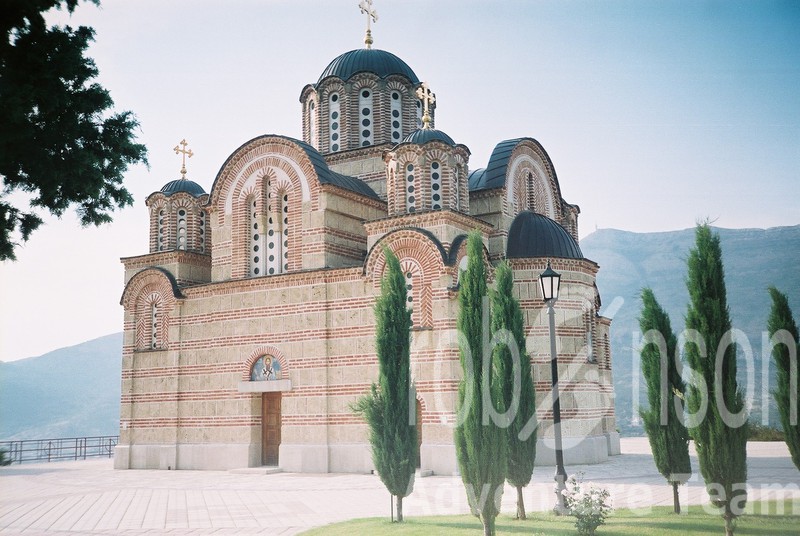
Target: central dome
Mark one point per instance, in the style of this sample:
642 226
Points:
367 60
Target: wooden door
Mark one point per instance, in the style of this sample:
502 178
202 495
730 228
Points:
270 428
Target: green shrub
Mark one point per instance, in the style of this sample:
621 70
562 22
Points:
589 505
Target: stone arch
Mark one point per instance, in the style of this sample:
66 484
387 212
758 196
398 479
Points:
249 161
530 167
458 254
266 349
422 248
152 287
269 164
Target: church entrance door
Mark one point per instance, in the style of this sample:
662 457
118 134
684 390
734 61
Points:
270 428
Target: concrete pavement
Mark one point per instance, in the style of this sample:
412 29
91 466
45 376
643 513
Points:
90 497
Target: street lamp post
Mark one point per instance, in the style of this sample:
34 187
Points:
550 281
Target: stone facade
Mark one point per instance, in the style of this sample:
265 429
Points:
249 327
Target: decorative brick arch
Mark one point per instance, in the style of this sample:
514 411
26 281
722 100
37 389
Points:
152 287
458 252
415 246
249 162
531 169
261 179
263 350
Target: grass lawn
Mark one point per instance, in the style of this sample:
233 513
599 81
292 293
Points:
660 520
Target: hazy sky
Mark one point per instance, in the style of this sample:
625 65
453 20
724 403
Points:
655 114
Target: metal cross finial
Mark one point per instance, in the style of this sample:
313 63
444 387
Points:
427 97
186 152
372 15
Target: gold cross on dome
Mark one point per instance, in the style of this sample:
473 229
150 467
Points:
372 15
186 152
427 97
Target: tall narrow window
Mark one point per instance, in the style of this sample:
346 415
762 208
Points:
312 123
162 230
181 226
273 236
436 185
457 187
256 240
285 232
419 114
335 121
365 117
155 324
396 111
278 234
201 231
411 196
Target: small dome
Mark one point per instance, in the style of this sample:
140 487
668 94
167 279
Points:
183 185
367 60
535 235
424 135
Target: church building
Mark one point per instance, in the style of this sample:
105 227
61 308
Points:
249 328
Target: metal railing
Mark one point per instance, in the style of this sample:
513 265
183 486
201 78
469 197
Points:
62 449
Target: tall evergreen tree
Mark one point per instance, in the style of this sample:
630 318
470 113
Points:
669 439
517 384
786 394
388 408
480 442
721 446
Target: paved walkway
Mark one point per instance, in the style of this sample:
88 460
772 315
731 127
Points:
90 497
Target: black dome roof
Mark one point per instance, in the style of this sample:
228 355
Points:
535 235
367 60
424 135
183 185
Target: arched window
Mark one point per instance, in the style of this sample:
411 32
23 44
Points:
256 245
457 187
155 324
396 108
162 230
181 227
278 234
411 195
201 231
365 126
588 320
530 188
436 185
334 107
419 114
312 123
413 277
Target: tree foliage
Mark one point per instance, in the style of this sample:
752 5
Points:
389 407
517 383
59 141
721 446
480 442
786 394
669 438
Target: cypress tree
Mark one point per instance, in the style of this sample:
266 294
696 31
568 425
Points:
518 392
669 439
721 446
480 443
392 433
786 394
